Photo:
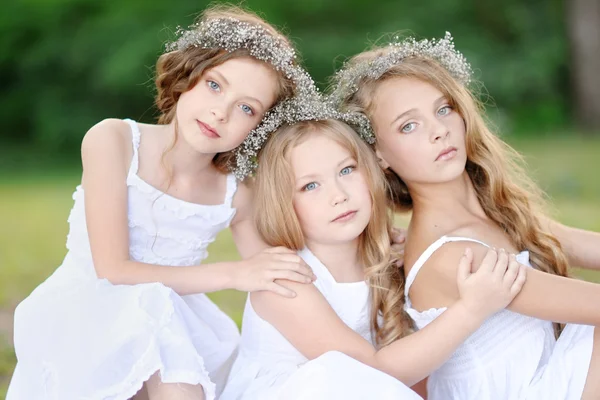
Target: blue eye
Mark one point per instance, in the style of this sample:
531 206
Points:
444 110
214 86
310 186
347 170
247 109
409 127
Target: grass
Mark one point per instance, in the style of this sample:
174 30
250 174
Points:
34 210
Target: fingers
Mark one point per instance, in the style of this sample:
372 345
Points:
290 276
511 272
398 248
279 250
280 290
519 282
293 262
399 263
501 264
398 235
489 260
465 265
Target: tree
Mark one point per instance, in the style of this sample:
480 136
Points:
584 34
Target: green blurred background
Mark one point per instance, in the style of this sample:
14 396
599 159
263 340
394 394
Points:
66 64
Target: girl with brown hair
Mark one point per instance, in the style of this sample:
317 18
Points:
126 310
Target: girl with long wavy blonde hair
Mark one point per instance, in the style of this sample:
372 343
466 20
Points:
467 188
319 191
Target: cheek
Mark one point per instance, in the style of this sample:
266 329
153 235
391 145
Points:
305 212
362 188
242 124
188 100
404 155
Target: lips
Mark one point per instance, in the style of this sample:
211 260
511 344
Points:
208 130
348 215
447 153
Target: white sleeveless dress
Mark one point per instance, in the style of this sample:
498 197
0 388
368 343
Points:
80 337
511 356
269 367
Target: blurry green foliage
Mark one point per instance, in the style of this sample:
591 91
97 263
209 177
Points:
66 64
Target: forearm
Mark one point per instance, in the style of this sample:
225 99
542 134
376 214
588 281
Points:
184 280
416 356
581 247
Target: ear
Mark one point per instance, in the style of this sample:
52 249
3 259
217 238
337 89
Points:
382 163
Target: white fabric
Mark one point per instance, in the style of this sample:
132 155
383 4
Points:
511 356
80 337
269 367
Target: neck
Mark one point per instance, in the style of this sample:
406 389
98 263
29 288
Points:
183 159
341 259
456 198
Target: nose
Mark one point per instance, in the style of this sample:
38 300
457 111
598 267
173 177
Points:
438 130
338 195
219 112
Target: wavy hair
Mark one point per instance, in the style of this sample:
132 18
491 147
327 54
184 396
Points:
508 196
178 71
278 224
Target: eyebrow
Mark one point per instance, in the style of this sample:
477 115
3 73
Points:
401 116
437 101
222 78
345 160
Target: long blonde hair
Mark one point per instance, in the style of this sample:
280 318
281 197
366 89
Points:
508 196
278 224
178 71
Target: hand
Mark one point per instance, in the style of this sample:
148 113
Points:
260 271
495 284
398 236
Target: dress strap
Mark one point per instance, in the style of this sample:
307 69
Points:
231 189
135 139
318 268
412 275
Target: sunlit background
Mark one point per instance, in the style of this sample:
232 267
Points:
66 64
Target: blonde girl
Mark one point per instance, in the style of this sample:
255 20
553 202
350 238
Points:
466 189
320 192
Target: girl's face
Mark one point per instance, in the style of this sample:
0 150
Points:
228 101
419 135
332 199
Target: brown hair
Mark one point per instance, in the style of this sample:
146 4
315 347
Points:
179 71
508 196
278 224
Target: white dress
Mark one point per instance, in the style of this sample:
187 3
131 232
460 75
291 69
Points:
80 337
269 367
511 356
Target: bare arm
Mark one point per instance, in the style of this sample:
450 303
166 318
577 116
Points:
313 327
246 238
581 247
106 154
544 296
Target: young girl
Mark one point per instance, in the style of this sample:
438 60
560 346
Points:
465 189
329 205
127 307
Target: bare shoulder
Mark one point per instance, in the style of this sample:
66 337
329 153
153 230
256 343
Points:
110 135
436 283
444 260
270 305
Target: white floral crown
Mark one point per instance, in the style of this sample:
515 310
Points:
348 79
231 34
